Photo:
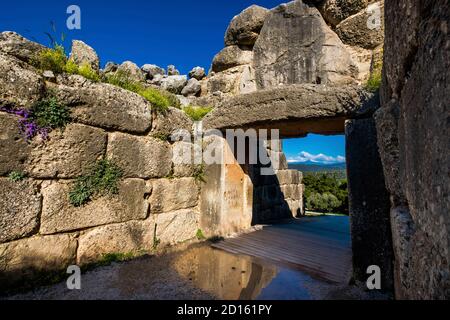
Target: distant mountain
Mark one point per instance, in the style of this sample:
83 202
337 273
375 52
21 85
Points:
315 167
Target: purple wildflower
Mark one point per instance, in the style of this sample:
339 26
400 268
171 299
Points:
27 125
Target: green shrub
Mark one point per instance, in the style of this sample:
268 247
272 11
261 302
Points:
50 113
376 76
318 188
17 176
51 59
122 79
84 70
200 235
174 102
326 202
159 101
102 180
199 173
71 67
197 113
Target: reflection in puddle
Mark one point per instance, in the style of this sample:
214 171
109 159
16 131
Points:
237 277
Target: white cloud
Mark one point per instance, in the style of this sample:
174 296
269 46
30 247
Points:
319 158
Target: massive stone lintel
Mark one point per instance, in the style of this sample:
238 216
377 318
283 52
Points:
296 110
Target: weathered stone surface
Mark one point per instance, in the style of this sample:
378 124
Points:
192 88
107 106
369 203
20 85
17 46
14 149
363 59
174 84
140 157
20 206
387 125
284 108
58 215
289 177
26 259
334 11
183 155
129 237
171 122
234 81
416 79
152 70
231 57
173 194
245 27
83 54
67 154
296 46
355 30
174 227
197 73
132 71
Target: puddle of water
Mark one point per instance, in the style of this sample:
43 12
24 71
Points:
239 277
199 272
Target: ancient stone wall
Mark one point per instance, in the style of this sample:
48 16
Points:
40 229
413 136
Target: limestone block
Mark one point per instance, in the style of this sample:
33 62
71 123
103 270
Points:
58 215
20 206
173 194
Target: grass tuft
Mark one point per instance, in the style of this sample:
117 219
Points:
197 113
17 176
102 180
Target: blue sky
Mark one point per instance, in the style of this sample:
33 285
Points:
179 32
316 148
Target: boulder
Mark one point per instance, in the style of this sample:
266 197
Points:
172 71
17 46
335 11
68 154
296 46
106 106
28 259
192 88
132 71
83 54
286 177
173 194
58 215
245 27
174 84
231 57
14 149
111 67
20 206
152 70
168 123
234 81
197 73
365 29
20 85
140 157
